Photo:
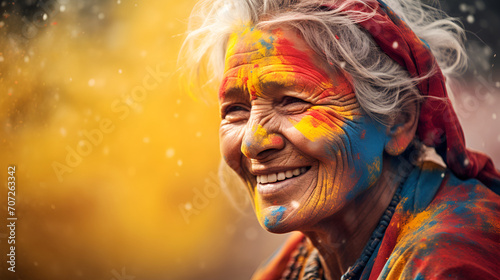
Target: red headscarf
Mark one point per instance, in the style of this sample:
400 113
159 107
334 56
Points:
438 124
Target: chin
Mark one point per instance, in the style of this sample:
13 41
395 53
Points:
278 228
280 219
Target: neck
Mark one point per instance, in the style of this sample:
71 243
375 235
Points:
340 239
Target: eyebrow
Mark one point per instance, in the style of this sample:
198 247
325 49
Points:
237 91
234 93
302 77
229 88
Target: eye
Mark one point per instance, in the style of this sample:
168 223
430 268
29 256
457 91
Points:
287 100
235 112
293 105
235 108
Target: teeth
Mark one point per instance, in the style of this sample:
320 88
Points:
271 178
263 179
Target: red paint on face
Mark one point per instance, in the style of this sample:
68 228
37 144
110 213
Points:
276 140
284 109
292 62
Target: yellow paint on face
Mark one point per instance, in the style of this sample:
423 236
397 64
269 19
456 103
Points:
250 38
254 58
261 133
374 169
316 125
247 64
313 129
260 138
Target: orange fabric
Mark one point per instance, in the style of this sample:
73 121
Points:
274 268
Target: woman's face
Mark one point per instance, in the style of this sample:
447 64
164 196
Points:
293 129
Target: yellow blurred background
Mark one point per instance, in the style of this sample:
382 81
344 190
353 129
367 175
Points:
116 167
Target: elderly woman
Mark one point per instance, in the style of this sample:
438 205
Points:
326 108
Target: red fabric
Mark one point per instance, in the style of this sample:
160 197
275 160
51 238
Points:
456 236
438 124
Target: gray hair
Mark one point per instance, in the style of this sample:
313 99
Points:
381 85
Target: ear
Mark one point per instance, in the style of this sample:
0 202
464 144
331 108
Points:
402 129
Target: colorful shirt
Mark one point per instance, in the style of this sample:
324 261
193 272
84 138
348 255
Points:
443 228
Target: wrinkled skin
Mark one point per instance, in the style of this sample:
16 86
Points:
282 108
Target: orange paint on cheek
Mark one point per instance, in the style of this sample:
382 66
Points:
321 123
314 129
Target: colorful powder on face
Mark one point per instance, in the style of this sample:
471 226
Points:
256 59
261 138
274 218
319 124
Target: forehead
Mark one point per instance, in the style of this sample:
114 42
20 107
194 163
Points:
277 46
256 59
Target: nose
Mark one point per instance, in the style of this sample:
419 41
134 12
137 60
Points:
257 141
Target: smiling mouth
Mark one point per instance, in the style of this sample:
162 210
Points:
281 176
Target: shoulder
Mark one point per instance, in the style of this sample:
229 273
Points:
446 255
455 236
436 195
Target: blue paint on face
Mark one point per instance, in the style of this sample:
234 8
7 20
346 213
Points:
367 141
266 44
275 216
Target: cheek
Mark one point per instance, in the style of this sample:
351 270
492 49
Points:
316 127
351 150
321 134
367 147
230 146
